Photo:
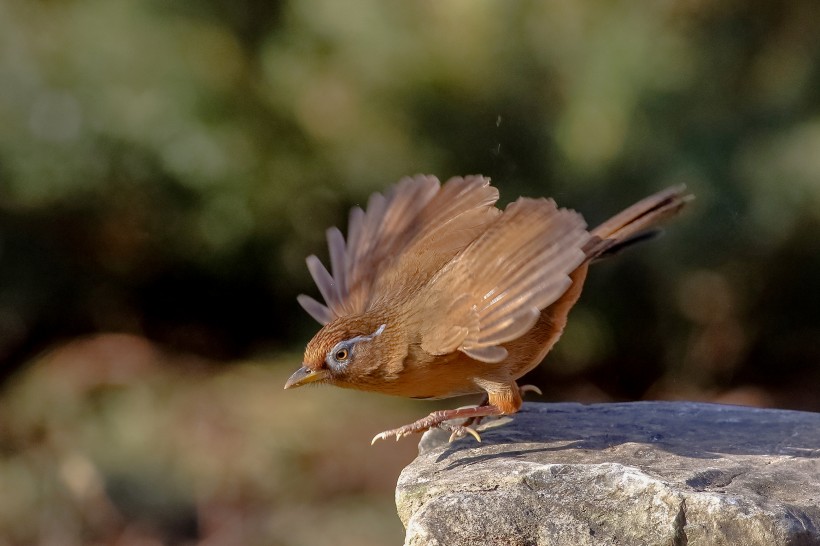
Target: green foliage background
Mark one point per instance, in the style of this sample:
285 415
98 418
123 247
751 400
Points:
165 167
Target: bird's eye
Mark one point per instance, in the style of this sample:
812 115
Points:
341 354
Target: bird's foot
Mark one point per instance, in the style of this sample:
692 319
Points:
438 419
422 425
456 431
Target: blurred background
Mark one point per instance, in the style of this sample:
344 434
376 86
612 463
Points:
165 167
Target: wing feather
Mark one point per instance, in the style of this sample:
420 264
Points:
487 354
338 267
323 279
418 223
519 266
319 312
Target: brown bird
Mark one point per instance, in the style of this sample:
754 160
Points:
438 293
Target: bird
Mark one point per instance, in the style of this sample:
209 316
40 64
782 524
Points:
437 292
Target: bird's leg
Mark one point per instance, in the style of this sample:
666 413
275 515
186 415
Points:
502 399
522 390
476 420
437 420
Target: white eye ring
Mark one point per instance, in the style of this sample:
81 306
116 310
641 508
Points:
339 356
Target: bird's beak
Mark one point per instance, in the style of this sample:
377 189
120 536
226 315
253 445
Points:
303 376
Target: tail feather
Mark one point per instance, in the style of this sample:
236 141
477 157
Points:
636 222
615 248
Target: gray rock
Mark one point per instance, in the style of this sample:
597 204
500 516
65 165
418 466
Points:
644 473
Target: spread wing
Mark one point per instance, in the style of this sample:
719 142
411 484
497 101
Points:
417 223
494 291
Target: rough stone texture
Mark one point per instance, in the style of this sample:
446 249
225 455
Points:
645 473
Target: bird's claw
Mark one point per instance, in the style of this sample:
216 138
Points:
523 389
398 433
459 431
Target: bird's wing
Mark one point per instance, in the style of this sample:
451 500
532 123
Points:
494 291
404 236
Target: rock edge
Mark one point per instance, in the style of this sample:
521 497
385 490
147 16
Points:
643 473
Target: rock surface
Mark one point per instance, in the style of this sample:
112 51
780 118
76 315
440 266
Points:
644 473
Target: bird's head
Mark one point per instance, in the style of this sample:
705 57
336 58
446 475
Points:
341 351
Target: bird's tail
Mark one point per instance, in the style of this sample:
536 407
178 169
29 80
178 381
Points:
636 223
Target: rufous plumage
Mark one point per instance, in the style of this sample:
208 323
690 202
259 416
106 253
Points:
436 292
